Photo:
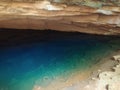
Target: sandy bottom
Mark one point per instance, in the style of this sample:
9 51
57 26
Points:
99 77
61 84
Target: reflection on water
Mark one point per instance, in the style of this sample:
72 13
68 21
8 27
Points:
39 57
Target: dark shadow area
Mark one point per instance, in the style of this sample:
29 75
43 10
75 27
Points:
13 37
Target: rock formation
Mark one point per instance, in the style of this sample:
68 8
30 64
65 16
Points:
86 16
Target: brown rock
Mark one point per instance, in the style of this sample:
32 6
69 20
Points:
105 21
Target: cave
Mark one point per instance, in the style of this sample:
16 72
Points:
60 45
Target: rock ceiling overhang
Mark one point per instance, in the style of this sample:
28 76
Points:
45 15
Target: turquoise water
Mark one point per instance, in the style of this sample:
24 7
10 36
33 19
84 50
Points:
39 57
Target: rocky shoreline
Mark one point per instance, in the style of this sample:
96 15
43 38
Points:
106 78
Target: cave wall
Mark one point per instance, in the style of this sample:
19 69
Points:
90 3
71 1
44 15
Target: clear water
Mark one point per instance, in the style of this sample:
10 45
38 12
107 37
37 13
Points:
31 57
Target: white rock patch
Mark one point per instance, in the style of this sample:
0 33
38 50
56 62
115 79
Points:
46 5
106 12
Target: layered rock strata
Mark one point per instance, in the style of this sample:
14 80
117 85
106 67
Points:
45 15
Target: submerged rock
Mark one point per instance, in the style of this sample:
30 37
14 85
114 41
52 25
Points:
117 57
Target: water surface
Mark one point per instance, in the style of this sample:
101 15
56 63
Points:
39 57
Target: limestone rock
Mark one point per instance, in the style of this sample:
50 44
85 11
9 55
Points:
44 15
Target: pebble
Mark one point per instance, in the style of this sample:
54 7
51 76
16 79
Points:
116 57
93 78
99 70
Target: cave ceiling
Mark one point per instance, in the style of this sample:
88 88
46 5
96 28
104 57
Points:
86 16
91 3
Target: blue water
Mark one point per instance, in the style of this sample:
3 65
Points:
25 61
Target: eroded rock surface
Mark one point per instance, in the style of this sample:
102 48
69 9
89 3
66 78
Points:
46 15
